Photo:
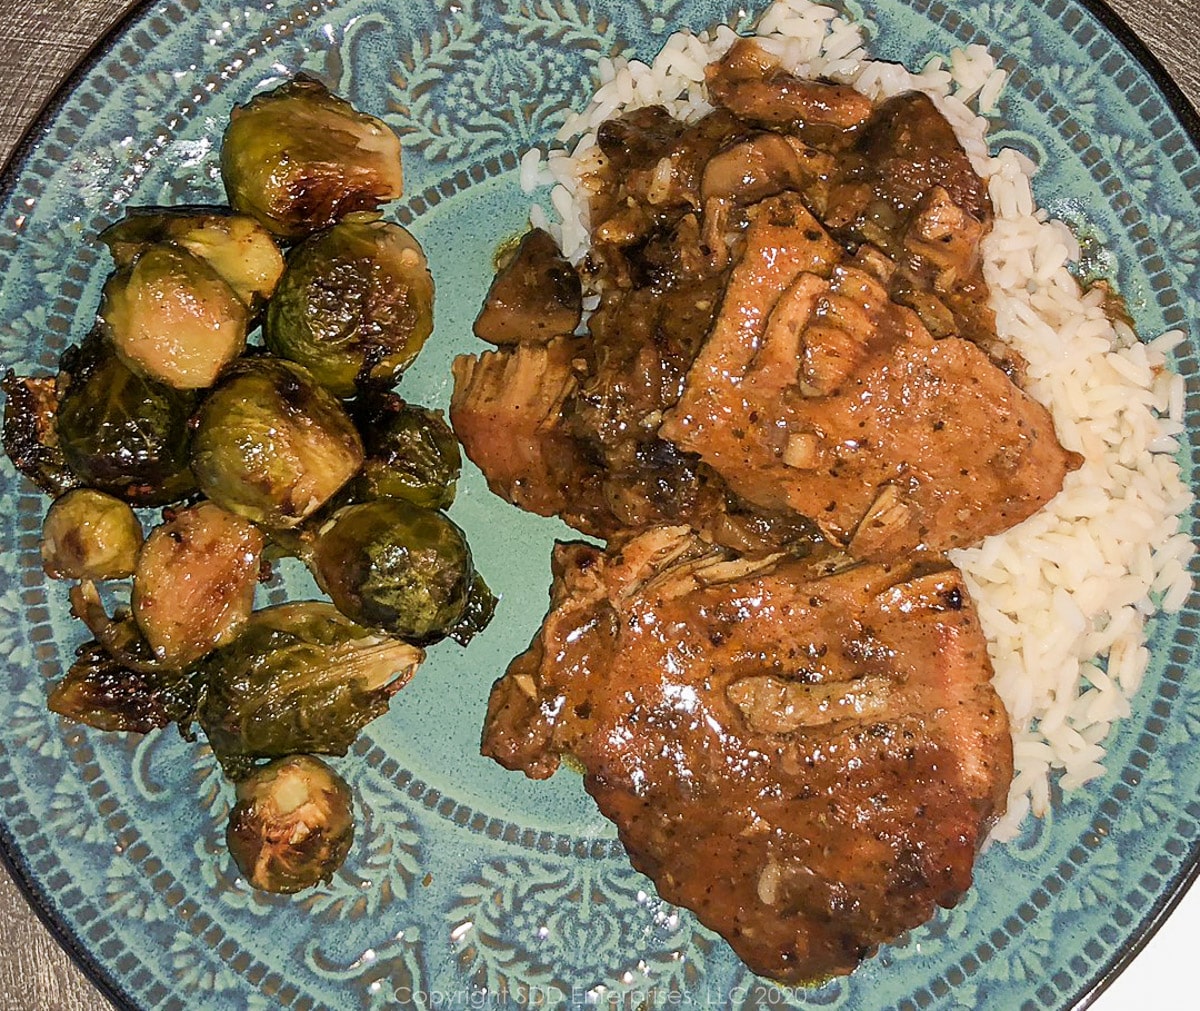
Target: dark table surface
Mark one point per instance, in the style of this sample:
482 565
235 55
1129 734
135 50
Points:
40 41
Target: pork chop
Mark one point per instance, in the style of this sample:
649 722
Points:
805 753
817 393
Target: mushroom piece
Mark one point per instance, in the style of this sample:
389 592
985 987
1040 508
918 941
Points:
535 298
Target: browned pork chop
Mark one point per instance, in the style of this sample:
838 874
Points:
815 392
807 757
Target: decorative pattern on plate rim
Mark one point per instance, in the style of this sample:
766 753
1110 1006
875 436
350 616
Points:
154 919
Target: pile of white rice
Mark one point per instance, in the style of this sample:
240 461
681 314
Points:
1063 597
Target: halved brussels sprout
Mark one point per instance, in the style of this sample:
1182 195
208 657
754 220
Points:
120 432
193 588
354 306
90 535
300 678
236 246
173 318
392 565
101 691
292 825
411 452
272 445
298 159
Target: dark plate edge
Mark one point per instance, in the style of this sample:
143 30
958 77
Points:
96 974
10 855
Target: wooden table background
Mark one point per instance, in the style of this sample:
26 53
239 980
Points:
40 41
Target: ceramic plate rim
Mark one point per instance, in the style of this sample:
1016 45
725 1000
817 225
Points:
10 851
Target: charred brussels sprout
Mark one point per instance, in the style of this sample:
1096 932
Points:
237 247
30 432
292 825
90 535
173 318
195 580
123 433
354 306
299 678
271 445
392 565
411 452
116 681
298 159
477 615
103 692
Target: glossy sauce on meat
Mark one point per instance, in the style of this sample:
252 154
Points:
683 405
807 756
815 392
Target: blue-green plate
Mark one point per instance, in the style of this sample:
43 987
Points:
469 886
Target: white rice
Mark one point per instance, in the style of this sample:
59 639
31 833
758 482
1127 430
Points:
1064 597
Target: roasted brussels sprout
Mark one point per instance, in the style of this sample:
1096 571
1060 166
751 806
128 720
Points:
90 535
120 432
173 318
103 692
272 445
298 158
30 432
116 682
300 678
391 565
411 452
354 306
235 246
194 584
292 825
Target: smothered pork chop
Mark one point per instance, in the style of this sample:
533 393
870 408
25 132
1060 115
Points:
788 402
793 330
807 754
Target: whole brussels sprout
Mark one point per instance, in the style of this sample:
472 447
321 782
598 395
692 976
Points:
90 535
120 432
392 565
194 584
271 445
477 614
292 825
235 246
298 158
299 678
354 305
173 318
411 452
